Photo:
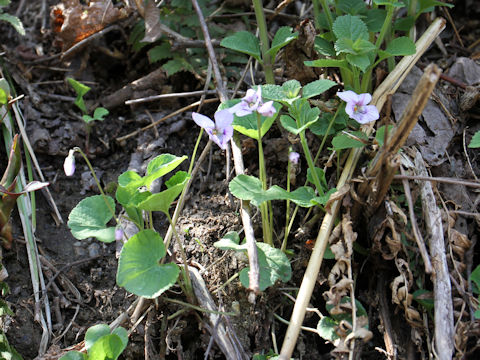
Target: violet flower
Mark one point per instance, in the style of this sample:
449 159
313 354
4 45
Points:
357 107
293 157
252 101
118 234
220 131
69 164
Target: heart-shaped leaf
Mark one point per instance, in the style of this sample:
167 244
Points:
89 218
139 270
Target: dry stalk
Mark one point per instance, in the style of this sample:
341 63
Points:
389 86
387 161
442 289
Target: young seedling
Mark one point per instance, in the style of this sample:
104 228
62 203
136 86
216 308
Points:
98 114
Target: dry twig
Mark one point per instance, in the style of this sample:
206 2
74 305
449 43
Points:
442 290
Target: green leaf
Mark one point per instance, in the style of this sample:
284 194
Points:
428 5
360 61
14 21
344 141
81 90
244 42
425 301
230 241
397 4
157 167
329 63
5 86
74 355
320 175
317 87
475 277
326 328
249 188
307 117
175 65
291 88
247 125
4 3
404 24
159 52
323 46
89 219
109 347
100 113
350 27
401 46
475 142
284 94
163 200
352 7
274 265
321 125
122 334
282 37
380 134
375 19
94 333
361 46
139 270
3 97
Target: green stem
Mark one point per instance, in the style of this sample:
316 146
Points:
327 12
310 163
194 154
332 121
267 234
188 282
264 43
77 149
284 243
385 26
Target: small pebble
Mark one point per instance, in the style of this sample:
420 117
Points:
79 249
93 249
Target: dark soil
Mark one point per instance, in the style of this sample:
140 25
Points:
54 126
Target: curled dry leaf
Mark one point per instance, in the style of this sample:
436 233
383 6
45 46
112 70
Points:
72 21
386 239
459 243
337 195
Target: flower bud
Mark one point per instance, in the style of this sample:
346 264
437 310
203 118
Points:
118 234
69 164
293 157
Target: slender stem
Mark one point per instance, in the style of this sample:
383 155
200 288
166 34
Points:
287 218
327 12
194 154
385 26
264 43
77 149
267 234
332 121
188 282
310 163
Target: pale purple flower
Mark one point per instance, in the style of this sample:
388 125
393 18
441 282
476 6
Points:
293 157
252 101
118 234
220 131
357 107
69 164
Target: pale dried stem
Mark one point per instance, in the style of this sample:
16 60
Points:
442 288
389 86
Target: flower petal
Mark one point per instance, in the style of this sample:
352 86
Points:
350 109
369 114
250 96
203 121
348 96
267 109
223 119
69 164
364 99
